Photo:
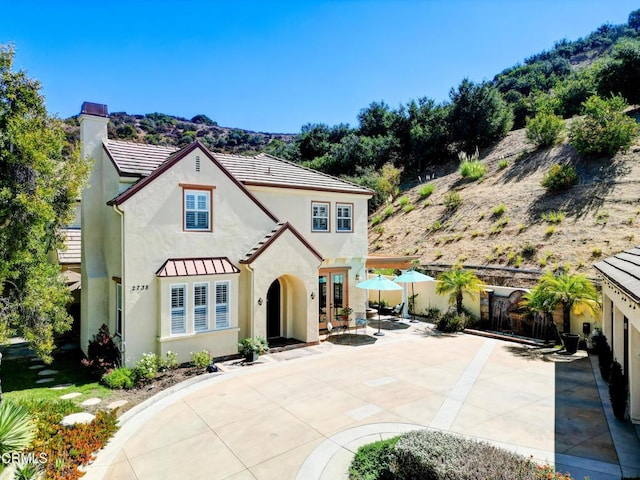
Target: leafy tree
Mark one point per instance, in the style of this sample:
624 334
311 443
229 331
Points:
634 20
574 292
377 119
203 119
478 115
456 283
605 129
620 74
545 129
573 92
313 141
41 177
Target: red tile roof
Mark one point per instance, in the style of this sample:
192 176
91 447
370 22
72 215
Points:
70 253
185 267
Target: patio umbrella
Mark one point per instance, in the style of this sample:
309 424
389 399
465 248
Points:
412 277
379 283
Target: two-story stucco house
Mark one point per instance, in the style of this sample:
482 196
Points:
185 250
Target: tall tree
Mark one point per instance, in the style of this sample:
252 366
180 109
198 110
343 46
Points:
456 283
478 115
41 176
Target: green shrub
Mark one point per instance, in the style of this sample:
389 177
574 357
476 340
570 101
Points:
550 231
452 201
376 220
435 455
426 190
552 216
545 129
170 361
605 129
374 461
470 166
120 378
408 208
618 390
559 177
503 163
201 359
403 201
379 229
147 366
452 322
388 211
499 210
529 250
432 314
604 358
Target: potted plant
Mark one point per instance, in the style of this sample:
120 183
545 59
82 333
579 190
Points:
345 312
252 348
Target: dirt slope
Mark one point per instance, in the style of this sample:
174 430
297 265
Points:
602 213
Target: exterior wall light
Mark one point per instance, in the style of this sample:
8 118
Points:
313 296
260 301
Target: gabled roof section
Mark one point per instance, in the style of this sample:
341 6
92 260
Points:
70 253
175 158
271 237
136 159
623 270
186 267
266 170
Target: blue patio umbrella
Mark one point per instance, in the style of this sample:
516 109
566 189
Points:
412 277
379 283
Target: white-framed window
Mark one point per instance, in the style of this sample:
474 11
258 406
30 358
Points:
201 307
319 217
178 309
344 217
118 309
197 210
222 305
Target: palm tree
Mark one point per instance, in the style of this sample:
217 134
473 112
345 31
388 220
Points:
539 300
573 292
456 283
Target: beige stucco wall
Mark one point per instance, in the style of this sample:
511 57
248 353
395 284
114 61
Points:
297 268
623 306
153 225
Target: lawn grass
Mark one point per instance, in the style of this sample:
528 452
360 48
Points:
19 381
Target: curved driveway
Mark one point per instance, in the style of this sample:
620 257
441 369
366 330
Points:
301 414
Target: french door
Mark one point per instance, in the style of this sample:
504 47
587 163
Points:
333 293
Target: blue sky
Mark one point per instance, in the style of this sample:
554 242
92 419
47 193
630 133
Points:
275 65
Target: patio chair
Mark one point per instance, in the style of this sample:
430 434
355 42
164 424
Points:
397 310
361 321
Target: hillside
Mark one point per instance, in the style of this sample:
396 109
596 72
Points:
162 129
601 214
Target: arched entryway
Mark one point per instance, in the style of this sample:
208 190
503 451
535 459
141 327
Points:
274 310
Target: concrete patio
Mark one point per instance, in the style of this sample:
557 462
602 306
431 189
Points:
302 413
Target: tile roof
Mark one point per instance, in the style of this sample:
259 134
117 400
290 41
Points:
623 270
185 267
267 170
270 237
137 159
140 159
70 252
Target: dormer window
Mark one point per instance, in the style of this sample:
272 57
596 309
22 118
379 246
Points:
197 209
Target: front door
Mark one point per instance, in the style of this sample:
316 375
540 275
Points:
333 291
273 310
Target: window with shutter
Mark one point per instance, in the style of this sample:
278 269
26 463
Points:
200 307
222 305
178 311
197 210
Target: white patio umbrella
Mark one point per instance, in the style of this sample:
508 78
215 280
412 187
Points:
412 277
379 283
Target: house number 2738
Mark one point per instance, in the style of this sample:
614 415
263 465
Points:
138 288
